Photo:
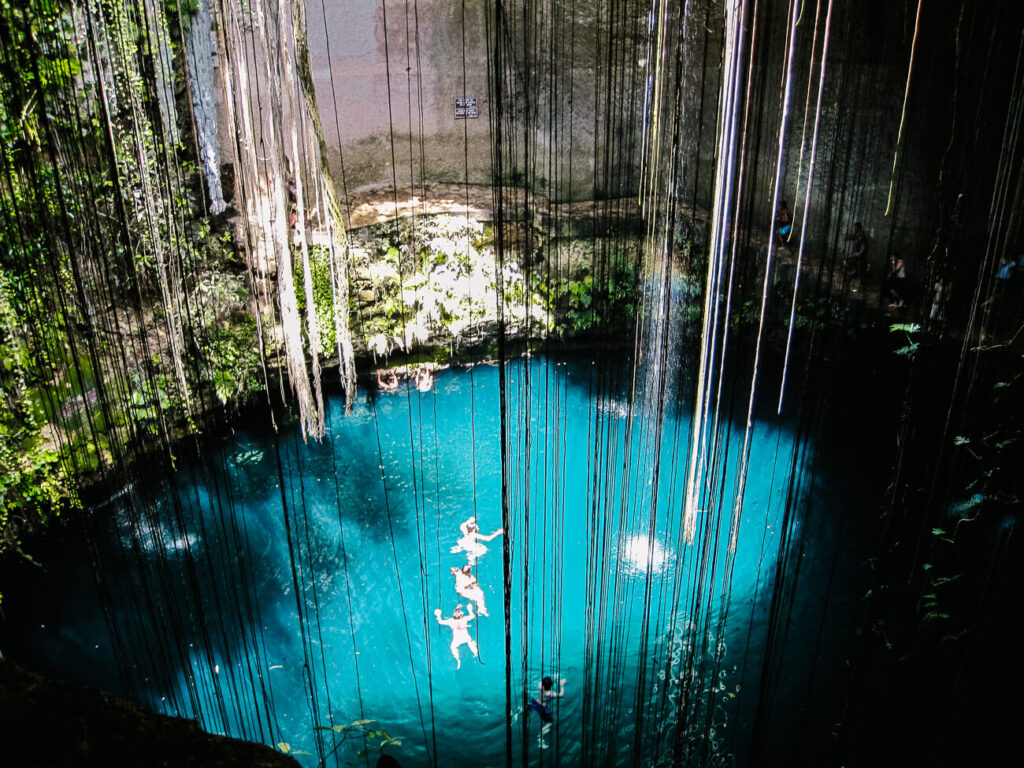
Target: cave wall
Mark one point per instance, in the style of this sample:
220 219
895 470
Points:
354 47
566 70
387 75
578 104
46 721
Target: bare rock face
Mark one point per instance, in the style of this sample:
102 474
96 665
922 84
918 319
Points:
46 722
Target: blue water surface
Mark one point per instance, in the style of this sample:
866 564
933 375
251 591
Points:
281 587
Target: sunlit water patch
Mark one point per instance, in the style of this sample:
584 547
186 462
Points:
642 554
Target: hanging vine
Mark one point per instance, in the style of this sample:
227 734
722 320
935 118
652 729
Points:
119 287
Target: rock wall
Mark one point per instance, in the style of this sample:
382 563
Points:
581 117
387 76
54 722
386 82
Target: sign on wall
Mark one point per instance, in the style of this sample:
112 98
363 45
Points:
466 109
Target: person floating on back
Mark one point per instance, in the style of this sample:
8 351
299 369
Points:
459 624
468 587
471 538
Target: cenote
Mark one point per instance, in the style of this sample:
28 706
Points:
199 576
368 369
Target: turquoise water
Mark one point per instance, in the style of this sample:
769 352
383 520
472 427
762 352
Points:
603 590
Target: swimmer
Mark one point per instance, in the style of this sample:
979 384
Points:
387 382
547 688
459 624
546 692
424 380
471 538
545 714
468 587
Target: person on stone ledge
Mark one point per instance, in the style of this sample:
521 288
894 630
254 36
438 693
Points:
940 296
1005 274
783 224
857 256
471 538
459 624
897 281
1002 296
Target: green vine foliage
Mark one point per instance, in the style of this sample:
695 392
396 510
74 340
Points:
235 373
120 304
372 739
186 8
34 61
227 332
32 480
436 284
585 302
323 296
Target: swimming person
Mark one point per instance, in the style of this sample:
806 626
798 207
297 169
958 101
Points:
546 691
547 688
459 624
471 538
468 587
424 379
387 381
543 711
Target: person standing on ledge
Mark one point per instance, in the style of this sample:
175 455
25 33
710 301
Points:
471 538
459 624
783 224
897 281
857 256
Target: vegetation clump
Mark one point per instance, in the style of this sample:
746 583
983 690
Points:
434 284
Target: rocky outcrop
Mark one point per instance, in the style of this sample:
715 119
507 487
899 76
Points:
54 722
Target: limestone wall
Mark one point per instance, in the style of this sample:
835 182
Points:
387 77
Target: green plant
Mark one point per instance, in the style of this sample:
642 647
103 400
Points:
234 361
149 398
187 8
372 738
33 482
323 296
909 329
585 302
